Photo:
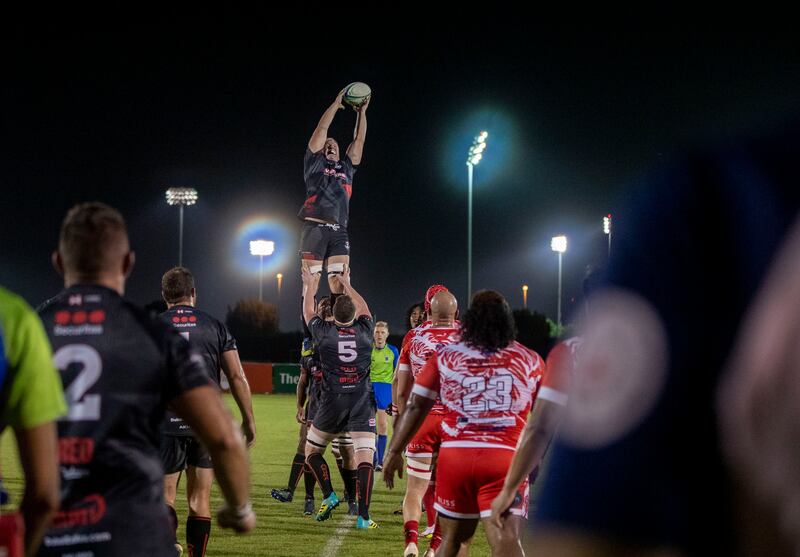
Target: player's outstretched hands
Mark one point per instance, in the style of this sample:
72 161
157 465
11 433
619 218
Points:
344 278
240 520
309 278
500 507
392 462
338 102
363 106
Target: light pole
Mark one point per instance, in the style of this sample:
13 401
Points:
279 276
473 157
181 197
559 244
261 248
607 231
525 296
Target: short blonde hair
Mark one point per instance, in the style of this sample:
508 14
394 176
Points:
382 324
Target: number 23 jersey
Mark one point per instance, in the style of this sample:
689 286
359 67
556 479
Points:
487 395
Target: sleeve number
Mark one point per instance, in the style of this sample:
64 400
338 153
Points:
82 406
347 351
483 395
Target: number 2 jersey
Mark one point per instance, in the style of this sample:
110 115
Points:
120 368
487 395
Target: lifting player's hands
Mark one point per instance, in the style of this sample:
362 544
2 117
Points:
392 462
500 507
310 280
362 108
344 277
240 520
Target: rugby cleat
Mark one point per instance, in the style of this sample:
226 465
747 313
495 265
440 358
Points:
327 506
308 510
430 553
427 533
411 550
282 495
367 524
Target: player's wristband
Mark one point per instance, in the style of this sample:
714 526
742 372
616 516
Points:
238 513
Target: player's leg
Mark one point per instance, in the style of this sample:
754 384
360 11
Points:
172 452
338 257
383 398
309 481
298 465
316 442
418 472
313 247
364 444
199 477
491 467
349 471
455 534
428 501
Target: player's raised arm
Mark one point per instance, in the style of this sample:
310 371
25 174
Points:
356 148
358 300
317 141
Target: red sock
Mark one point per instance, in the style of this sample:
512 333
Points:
411 531
436 541
429 499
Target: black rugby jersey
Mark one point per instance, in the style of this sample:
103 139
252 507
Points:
329 186
345 353
120 368
209 337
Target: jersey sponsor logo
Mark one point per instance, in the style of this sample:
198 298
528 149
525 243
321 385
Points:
89 510
372 422
333 172
75 450
77 330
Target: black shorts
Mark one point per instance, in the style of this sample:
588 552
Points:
180 451
341 412
320 241
311 408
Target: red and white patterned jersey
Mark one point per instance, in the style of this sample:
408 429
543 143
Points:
487 396
561 365
419 345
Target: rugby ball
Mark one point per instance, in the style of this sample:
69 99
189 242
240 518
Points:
356 94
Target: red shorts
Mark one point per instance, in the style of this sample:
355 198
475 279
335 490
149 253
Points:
469 479
427 440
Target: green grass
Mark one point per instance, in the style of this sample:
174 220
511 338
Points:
282 529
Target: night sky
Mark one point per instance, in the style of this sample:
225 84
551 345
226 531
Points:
573 119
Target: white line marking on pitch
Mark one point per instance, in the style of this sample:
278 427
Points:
337 538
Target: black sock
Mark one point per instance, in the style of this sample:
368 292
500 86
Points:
350 478
297 468
173 521
343 474
310 481
321 472
198 529
365 477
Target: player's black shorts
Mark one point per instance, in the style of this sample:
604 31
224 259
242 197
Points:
311 408
320 241
180 451
340 412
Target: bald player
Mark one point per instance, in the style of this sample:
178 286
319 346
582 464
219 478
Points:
421 452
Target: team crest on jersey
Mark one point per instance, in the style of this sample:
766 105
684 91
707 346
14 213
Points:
75 300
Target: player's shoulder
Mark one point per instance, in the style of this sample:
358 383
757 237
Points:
520 351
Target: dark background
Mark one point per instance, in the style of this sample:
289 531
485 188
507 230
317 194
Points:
573 118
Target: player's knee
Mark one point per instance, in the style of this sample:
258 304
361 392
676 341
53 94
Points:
364 448
315 443
418 468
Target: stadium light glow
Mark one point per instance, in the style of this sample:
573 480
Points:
559 244
182 197
474 156
607 224
261 248
525 296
